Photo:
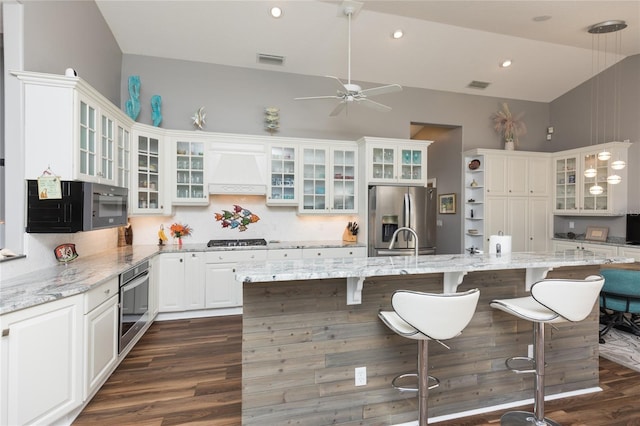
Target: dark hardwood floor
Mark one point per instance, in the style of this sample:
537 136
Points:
189 372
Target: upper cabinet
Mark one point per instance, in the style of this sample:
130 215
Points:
328 178
516 173
188 186
394 161
73 130
148 194
282 175
592 194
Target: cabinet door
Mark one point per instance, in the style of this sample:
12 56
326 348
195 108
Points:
382 161
538 172
411 164
517 223
565 186
101 344
566 245
538 224
495 172
123 177
88 146
41 362
495 219
517 172
314 180
107 149
171 294
601 249
595 189
343 180
629 252
222 289
194 280
282 175
148 184
189 171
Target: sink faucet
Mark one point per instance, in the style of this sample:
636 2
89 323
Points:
404 228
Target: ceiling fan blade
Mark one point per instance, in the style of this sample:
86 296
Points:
338 109
318 97
342 86
372 104
381 90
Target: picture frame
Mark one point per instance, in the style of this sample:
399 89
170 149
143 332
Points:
447 203
597 233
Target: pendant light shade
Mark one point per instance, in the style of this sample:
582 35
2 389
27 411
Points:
614 179
618 165
596 190
590 172
604 155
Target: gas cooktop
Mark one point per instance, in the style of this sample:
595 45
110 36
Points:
238 243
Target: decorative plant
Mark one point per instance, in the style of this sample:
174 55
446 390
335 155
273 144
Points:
507 125
179 230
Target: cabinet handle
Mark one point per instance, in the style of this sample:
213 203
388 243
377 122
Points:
5 332
219 257
319 254
107 291
194 255
350 253
285 255
180 260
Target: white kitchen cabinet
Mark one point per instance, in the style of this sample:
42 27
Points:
282 182
188 166
181 281
100 335
627 251
572 189
334 252
222 290
600 249
123 176
154 286
284 254
149 194
526 219
393 161
328 178
516 173
41 363
68 114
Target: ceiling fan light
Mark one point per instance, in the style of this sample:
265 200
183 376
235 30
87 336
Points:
618 165
604 155
614 179
397 34
590 172
596 190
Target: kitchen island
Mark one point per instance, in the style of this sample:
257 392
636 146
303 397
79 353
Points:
307 324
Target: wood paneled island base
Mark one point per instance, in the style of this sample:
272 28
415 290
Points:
302 343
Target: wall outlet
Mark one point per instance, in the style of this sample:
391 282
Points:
438 222
530 351
572 224
361 376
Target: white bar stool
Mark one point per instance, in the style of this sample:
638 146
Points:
551 301
424 317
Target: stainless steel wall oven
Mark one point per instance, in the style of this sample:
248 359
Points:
134 303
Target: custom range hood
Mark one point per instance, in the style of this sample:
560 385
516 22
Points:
237 172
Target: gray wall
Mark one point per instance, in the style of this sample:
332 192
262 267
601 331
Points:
72 34
234 99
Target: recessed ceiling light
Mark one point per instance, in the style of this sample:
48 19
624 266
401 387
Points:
506 63
397 34
276 12
541 18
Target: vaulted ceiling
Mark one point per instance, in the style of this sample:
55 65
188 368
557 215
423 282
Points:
447 44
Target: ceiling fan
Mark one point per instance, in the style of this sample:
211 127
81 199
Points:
349 92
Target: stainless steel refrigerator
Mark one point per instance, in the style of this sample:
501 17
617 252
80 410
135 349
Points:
393 207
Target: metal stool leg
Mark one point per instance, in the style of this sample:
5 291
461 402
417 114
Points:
423 382
517 418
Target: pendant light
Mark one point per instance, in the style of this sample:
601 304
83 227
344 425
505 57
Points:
591 172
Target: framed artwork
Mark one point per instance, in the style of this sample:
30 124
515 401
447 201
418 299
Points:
597 233
447 203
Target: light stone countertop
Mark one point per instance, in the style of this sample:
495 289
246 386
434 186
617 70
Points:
86 272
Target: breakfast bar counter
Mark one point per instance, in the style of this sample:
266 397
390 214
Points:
307 324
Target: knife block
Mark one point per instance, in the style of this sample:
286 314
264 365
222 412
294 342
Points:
347 237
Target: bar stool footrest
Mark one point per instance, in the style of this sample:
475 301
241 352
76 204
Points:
520 358
413 389
524 418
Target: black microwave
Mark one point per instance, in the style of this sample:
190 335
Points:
84 206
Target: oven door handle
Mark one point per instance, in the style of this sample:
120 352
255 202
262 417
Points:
138 280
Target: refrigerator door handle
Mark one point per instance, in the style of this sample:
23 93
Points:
408 208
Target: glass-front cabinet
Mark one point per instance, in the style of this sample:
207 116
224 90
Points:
395 160
124 157
328 180
148 181
189 186
282 185
586 184
97 142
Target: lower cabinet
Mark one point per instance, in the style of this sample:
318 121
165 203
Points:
181 281
342 252
629 252
101 335
601 249
221 289
41 353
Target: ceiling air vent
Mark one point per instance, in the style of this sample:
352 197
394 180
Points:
475 84
263 58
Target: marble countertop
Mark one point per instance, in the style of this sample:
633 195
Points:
314 269
86 272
